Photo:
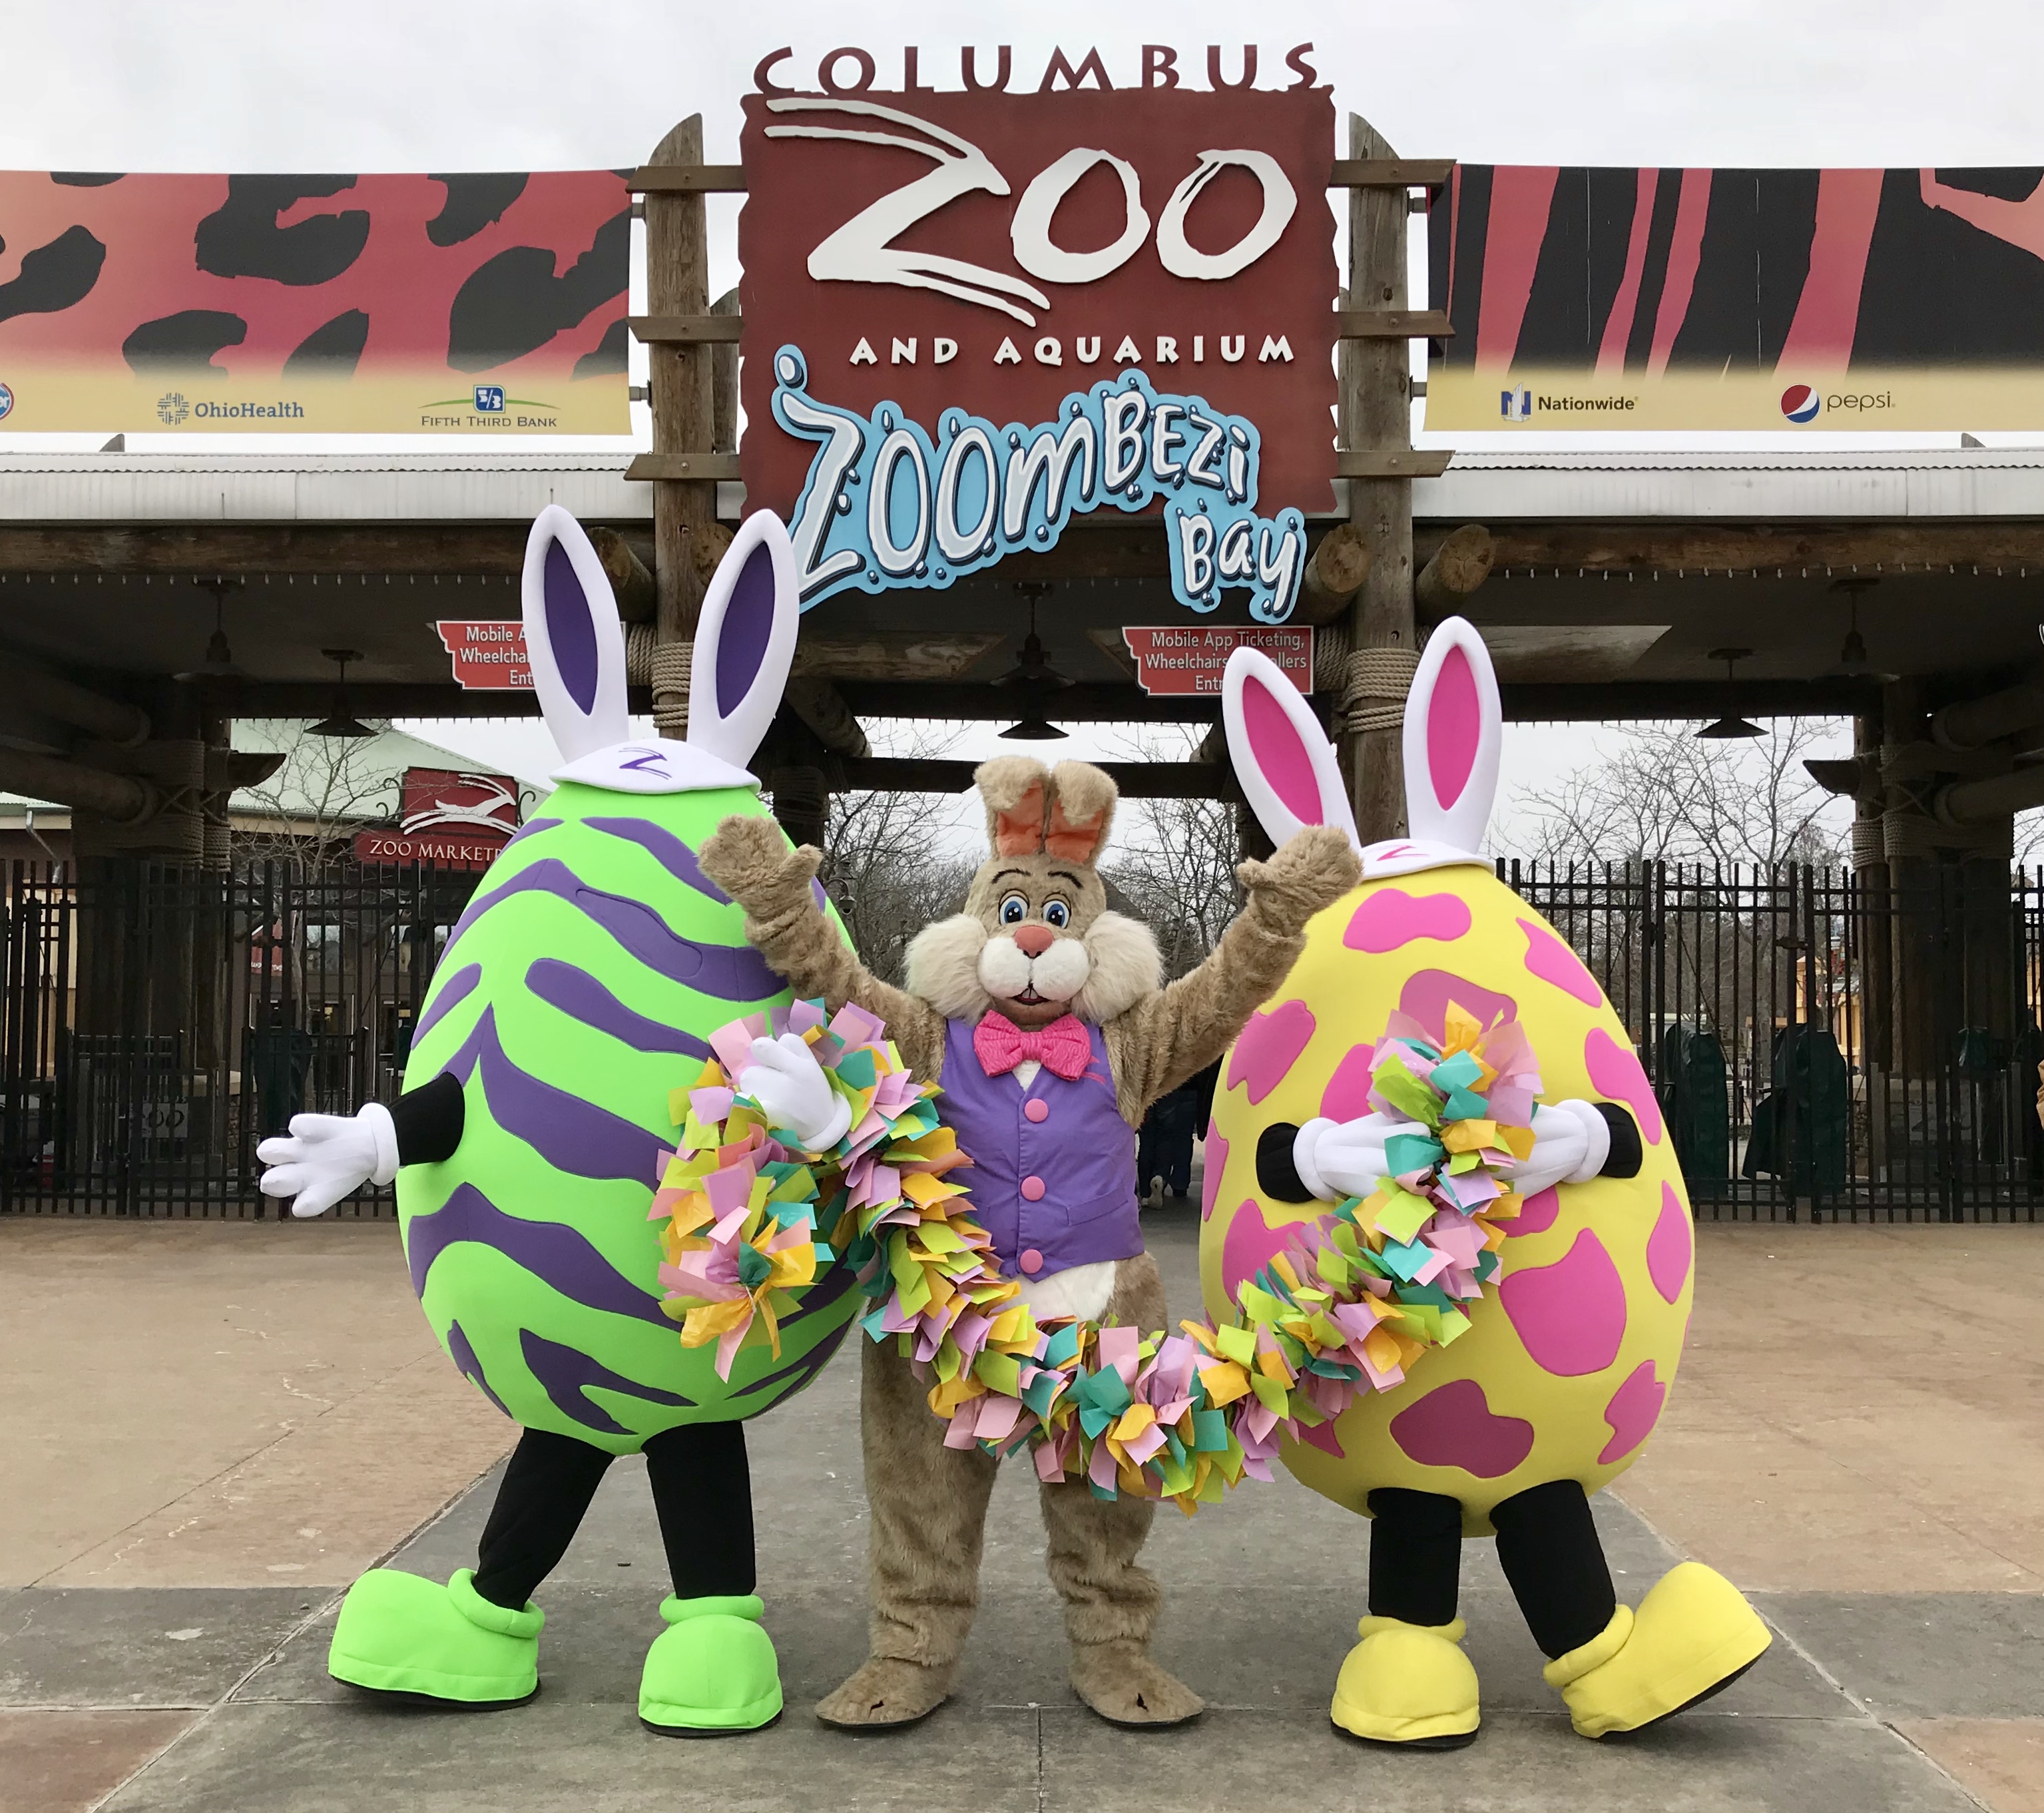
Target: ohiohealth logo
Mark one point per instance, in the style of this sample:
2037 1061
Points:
171 408
1800 404
1515 405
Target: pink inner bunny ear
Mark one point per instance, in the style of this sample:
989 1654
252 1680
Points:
1280 752
1454 727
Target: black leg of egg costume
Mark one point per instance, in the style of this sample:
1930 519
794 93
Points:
702 1489
1546 1544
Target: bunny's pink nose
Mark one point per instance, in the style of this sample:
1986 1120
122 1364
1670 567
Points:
1033 940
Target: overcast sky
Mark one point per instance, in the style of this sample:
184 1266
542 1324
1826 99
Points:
457 84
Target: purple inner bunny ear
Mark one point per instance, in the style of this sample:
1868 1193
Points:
570 633
748 624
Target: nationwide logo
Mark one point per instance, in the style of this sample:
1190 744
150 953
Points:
1515 405
172 409
1800 404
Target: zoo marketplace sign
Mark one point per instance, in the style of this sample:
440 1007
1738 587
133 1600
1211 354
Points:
972 317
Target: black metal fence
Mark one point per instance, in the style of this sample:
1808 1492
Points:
1826 1046
157 1025
1823 1047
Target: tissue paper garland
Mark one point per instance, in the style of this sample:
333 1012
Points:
1354 1301
741 1198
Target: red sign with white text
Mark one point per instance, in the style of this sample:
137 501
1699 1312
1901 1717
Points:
1177 658
449 818
996 252
488 655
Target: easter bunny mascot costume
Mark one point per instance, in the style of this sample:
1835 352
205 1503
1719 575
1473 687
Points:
1041 1015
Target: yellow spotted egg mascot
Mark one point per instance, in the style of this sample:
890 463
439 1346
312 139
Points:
1441 1086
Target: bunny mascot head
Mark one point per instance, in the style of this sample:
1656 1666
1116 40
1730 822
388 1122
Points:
1547 1392
576 992
1041 1014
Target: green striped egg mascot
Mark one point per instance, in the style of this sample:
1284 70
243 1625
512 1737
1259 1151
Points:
575 992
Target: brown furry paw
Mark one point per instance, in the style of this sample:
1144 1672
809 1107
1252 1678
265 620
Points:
1121 1683
1313 870
886 1691
748 857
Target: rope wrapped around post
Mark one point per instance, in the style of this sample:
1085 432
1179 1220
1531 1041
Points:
670 675
1376 686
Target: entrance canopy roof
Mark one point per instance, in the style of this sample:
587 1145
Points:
1617 575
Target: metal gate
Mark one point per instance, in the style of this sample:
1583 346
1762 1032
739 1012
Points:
157 1026
1824 1047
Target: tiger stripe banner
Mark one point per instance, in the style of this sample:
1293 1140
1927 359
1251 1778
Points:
1655 299
490 302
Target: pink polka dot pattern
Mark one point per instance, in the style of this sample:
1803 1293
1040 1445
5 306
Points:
1391 917
1216 1162
1634 1409
1347 1096
1616 1074
1670 1246
1552 961
1428 993
1247 1247
1570 1316
1455 1426
1536 1213
1268 1046
1323 1435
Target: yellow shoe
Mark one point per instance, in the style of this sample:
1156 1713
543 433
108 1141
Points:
1407 1683
1692 1636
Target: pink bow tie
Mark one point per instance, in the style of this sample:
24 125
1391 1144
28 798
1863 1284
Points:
1061 1046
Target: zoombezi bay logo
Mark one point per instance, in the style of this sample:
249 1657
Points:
887 505
486 406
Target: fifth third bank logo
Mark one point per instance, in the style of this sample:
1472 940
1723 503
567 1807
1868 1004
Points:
1515 405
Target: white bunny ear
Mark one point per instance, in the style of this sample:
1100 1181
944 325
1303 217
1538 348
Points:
745 641
1454 728
1283 761
573 638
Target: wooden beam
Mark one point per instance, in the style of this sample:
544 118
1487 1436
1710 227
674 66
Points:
703 466
1868 547
1392 463
687 179
686 330
1089 702
1392 324
1460 564
1136 779
1646 701
1334 574
247 548
1390 172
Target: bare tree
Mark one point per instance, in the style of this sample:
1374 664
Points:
1174 860
307 813
1665 794
886 865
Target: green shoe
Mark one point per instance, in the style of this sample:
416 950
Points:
399 1634
711 1673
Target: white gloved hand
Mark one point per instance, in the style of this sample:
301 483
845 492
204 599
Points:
1571 1141
1339 1158
328 1156
786 1081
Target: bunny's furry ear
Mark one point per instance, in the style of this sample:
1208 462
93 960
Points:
1283 761
1082 799
1015 790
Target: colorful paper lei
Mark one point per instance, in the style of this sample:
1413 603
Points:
743 1201
1357 1299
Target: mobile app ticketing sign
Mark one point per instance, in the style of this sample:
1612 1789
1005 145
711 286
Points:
971 316
1824 299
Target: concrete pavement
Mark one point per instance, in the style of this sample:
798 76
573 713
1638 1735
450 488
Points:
1853 1437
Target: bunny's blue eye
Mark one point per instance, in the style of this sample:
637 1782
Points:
1014 910
1057 913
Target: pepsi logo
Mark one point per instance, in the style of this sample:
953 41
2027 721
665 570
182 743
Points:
1800 403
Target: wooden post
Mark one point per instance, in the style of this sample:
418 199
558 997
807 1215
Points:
1460 564
1375 414
679 390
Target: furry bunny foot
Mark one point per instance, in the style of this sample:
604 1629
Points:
1121 1683
885 1691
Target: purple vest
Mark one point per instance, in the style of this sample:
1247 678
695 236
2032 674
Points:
1053 1176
